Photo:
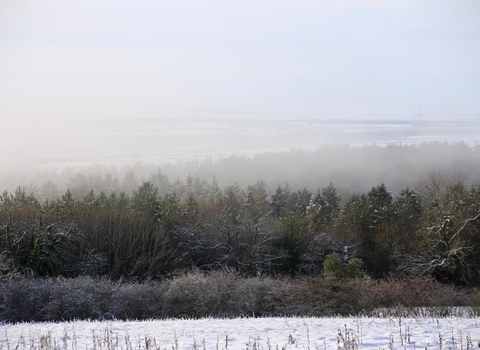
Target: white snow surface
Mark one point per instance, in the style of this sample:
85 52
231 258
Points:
252 333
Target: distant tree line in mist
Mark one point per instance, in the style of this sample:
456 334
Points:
149 229
352 169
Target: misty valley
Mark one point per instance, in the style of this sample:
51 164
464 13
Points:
239 175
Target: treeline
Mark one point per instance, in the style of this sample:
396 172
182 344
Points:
353 169
164 226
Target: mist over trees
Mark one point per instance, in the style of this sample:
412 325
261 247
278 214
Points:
352 169
422 221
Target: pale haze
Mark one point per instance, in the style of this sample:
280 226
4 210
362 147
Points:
63 63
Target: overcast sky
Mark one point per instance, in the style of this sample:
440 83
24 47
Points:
269 55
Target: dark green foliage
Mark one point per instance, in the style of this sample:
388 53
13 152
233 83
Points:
336 269
146 200
257 198
18 199
368 218
408 211
279 201
324 207
292 240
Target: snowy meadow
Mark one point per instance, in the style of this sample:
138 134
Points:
248 333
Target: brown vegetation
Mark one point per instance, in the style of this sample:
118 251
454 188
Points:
227 294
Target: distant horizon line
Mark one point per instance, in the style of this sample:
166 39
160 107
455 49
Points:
245 112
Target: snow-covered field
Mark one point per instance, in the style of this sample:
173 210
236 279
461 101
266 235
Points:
249 333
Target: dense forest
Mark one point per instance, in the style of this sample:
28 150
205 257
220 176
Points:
152 229
145 229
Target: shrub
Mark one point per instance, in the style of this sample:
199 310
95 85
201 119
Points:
316 296
22 300
415 292
138 301
79 298
197 294
225 294
260 296
335 269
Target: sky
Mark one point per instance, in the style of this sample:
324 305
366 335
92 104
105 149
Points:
269 55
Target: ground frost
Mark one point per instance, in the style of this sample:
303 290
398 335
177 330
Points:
248 333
